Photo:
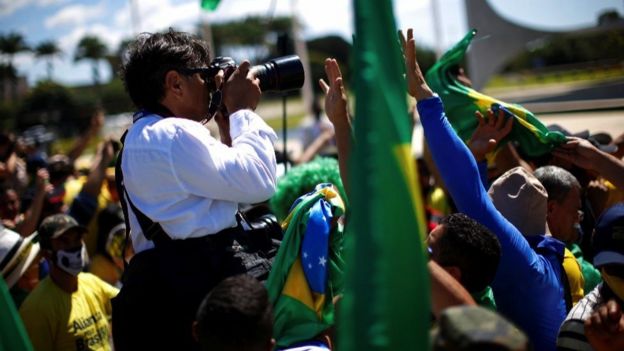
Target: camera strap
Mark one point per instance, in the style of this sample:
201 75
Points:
151 230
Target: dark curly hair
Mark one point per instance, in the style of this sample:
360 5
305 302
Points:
151 56
470 246
235 315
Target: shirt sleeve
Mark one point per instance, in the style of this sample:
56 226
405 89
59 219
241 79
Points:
243 173
461 175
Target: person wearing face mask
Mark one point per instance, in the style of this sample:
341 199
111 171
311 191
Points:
69 309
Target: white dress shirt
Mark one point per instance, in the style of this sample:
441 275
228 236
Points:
178 175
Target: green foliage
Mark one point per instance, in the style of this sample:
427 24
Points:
330 46
250 31
7 116
51 104
115 99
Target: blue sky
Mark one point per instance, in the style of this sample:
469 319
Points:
66 21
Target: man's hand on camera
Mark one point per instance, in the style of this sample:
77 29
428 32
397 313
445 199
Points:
242 90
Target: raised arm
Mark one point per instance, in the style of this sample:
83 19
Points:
585 155
336 107
459 169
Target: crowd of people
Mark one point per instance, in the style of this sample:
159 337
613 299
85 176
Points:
168 241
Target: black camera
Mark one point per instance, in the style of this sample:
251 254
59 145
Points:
280 74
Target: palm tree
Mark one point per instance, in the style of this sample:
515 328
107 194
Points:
48 50
91 48
11 44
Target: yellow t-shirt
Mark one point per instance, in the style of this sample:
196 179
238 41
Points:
57 320
575 276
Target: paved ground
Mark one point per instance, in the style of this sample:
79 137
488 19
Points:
611 122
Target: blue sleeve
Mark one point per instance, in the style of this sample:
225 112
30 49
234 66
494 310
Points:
459 171
483 168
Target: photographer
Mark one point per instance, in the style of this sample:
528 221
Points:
181 187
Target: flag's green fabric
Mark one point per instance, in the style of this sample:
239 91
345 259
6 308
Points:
308 271
13 336
386 303
209 5
461 102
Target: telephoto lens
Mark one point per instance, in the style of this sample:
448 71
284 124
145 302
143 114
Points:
280 74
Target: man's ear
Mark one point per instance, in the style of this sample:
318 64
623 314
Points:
550 207
173 83
454 271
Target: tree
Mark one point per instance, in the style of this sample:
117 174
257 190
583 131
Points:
48 50
91 48
10 45
115 59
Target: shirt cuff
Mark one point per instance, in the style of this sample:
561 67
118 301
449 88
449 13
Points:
243 121
433 102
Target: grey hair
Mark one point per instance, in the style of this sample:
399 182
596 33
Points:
557 181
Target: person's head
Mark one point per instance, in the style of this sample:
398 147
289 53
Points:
61 243
470 328
564 202
235 316
522 200
60 169
19 259
303 179
608 244
9 203
111 235
156 74
466 249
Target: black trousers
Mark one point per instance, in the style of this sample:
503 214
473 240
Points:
162 290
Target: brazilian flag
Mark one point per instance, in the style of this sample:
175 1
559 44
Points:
461 102
308 271
386 303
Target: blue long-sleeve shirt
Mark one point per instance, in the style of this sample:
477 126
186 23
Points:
528 286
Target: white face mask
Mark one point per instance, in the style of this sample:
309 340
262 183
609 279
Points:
72 261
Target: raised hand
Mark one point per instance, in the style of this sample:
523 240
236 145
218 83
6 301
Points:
605 327
416 85
489 133
578 151
336 106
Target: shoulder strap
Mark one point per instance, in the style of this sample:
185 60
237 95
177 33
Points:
151 230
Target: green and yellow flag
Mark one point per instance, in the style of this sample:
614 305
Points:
13 336
386 304
308 270
461 102
209 5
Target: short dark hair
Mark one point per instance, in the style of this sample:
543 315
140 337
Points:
149 59
557 181
235 315
470 246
